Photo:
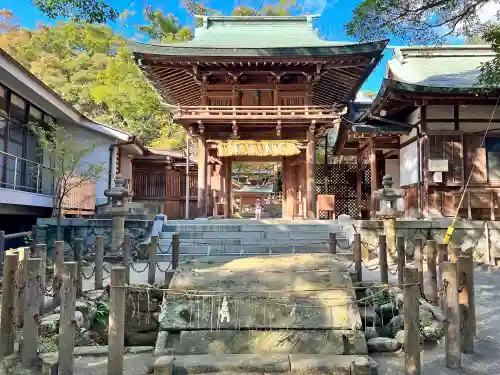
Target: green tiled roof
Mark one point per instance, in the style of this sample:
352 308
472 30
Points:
258 36
449 67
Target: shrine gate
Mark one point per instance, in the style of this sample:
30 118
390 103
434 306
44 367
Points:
258 89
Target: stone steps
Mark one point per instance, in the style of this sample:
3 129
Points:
243 364
210 226
253 235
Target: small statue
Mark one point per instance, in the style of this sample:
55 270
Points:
118 192
224 311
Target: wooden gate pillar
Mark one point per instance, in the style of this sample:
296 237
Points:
228 188
374 177
311 174
202 177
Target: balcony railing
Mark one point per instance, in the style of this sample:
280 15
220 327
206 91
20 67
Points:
257 112
21 174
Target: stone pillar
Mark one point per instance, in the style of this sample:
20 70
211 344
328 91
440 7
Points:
117 229
311 176
390 234
202 177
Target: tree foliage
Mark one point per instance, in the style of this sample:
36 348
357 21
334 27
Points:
416 22
91 68
93 11
429 22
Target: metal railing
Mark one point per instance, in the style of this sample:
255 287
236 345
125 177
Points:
22 174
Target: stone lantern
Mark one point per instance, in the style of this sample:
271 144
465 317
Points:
388 198
118 193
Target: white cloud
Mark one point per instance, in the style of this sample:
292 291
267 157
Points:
315 6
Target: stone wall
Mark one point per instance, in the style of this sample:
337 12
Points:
467 235
88 229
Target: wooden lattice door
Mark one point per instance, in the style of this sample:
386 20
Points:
341 181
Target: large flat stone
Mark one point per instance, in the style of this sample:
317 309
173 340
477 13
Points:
329 365
201 364
301 291
269 342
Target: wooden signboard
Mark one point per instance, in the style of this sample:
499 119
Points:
326 202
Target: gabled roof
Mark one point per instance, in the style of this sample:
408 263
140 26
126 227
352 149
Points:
259 37
454 66
258 44
442 75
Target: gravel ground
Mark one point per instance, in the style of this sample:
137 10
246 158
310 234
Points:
485 360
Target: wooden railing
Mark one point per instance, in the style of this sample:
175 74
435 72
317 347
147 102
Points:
255 112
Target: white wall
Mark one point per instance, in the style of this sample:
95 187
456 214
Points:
392 168
99 156
408 172
125 164
412 119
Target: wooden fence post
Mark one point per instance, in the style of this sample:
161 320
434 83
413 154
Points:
127 253
21 275
382 254
452 315
467 303
32 294
116 330
411 296
175 250
418 257
79 265
7 331
431 256
2 246
66 324
442 257
99 262
400 246
332 243
153 248
41 251
33 238
356 247
58 271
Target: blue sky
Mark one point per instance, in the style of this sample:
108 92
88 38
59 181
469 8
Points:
334 15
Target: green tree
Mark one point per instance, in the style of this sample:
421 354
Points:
427 22
70 169
93 11
164 28
91 68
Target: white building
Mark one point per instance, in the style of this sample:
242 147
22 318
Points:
26 180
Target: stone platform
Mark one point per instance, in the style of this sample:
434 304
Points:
287 304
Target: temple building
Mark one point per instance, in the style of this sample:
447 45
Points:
266 89
445 125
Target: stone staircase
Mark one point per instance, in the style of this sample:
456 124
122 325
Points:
245 237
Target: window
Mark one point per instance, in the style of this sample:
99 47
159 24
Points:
493 158
17 109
